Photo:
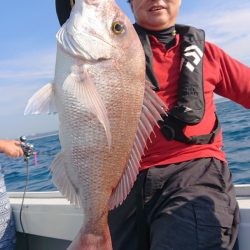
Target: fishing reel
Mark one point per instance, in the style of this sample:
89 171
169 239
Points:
28 149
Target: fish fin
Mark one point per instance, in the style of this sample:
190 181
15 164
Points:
91 241
81 85
152 109
62 180
42 102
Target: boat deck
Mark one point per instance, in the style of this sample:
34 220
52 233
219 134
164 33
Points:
52 222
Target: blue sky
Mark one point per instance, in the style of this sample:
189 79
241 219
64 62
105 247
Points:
28 47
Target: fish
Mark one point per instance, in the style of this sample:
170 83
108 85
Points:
107 111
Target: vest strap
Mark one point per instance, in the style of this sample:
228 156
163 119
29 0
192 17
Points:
172 129
190 104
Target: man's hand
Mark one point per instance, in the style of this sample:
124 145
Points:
11 148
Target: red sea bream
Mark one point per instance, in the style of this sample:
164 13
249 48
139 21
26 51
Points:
106 113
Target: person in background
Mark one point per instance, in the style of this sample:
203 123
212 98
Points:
10 148
183 198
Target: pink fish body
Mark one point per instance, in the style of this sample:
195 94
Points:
106 113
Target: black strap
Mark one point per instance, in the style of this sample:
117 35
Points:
148 55
63 9
190 102
141 221
172 129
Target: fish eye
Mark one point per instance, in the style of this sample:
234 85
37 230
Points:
118 27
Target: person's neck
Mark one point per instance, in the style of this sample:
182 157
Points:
165 36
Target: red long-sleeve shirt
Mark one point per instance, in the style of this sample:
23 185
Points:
222 75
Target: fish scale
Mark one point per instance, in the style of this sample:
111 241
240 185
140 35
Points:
106 112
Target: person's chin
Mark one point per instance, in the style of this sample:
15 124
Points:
158 24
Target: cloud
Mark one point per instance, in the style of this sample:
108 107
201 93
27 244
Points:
13 122
19 79
34 66
15 126
226 24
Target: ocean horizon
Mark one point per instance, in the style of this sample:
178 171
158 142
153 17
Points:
235 123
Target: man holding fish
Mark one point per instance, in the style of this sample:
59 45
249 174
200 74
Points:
183 197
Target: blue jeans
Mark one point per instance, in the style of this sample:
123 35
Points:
7 223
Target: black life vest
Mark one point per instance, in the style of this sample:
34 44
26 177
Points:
190 104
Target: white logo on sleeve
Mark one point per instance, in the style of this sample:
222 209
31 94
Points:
195 52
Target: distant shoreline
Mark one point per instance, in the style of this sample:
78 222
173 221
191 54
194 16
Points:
41 135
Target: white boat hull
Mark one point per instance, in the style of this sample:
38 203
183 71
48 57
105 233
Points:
52 222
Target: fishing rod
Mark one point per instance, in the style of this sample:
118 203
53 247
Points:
28 150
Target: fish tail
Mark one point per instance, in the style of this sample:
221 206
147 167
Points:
92 241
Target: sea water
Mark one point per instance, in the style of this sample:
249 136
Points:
235 122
